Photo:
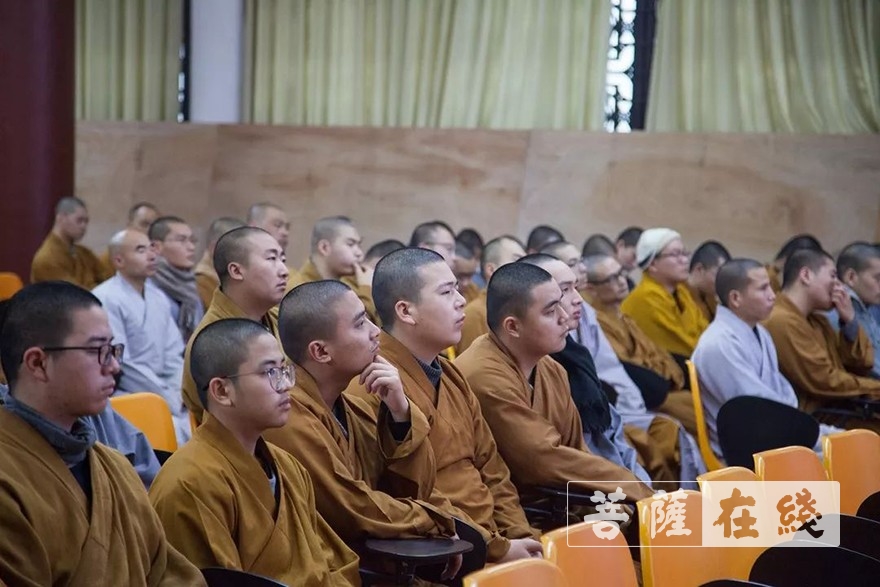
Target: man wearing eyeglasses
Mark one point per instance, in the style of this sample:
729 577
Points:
175 244
140 317
661 303
253 278
228 499
73 511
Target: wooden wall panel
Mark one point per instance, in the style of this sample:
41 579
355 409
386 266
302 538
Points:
749 191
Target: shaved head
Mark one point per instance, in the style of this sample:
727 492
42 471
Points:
810 258
509 291
598 243
734 276
381 249
797 243
328 229
220 349
542 236
308 313
234 247
593 264
272 219
256 214
397 278
629 236
69 205
709 254
221 226
162 226
500 251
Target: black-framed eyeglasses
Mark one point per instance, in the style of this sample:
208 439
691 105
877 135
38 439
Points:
104 351
613 277
280 378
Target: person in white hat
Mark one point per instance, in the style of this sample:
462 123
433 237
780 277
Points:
661 304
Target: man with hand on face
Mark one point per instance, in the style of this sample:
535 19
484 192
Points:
73 511
735 355
374 474
858 268
173 240
60 257
253 279
140 317
525 395
822 365
336 254
421 312
229 499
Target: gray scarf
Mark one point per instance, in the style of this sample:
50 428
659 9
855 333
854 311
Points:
180 286
71 446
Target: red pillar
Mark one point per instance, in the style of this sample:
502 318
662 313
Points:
37 54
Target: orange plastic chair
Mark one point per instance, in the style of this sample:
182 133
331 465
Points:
853 459
579 553
150 414
712 461
10 283
531 572
791 463
728 474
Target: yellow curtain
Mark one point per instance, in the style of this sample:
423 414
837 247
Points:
127 59
766 66
427 63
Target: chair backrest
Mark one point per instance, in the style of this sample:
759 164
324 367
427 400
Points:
10 283
579 552
853 459
728 474
150 414
748 424
712 461
675 560
521 573
220 577
792 463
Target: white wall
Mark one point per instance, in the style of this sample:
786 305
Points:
216 42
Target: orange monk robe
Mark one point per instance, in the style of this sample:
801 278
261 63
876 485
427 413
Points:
206 279
818 362
475 323
309 273
221 307
55 259
54 535
107 262
368 484
707 304
470 472
219 510
470 292
538 431
672 320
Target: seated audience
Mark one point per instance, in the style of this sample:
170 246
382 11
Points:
60 257
596 244
374 476
206 278
73 511
422 314
705 262
140 318
472 240
661 304
541 236
436 236
229 499
253 279
336 254
822 365
173 240
625 252
795 243
379 250
497 252
656 373
140 217
736 355
858 267
524 394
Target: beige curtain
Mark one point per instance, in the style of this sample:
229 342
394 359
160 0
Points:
127 59
435 63
766 65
